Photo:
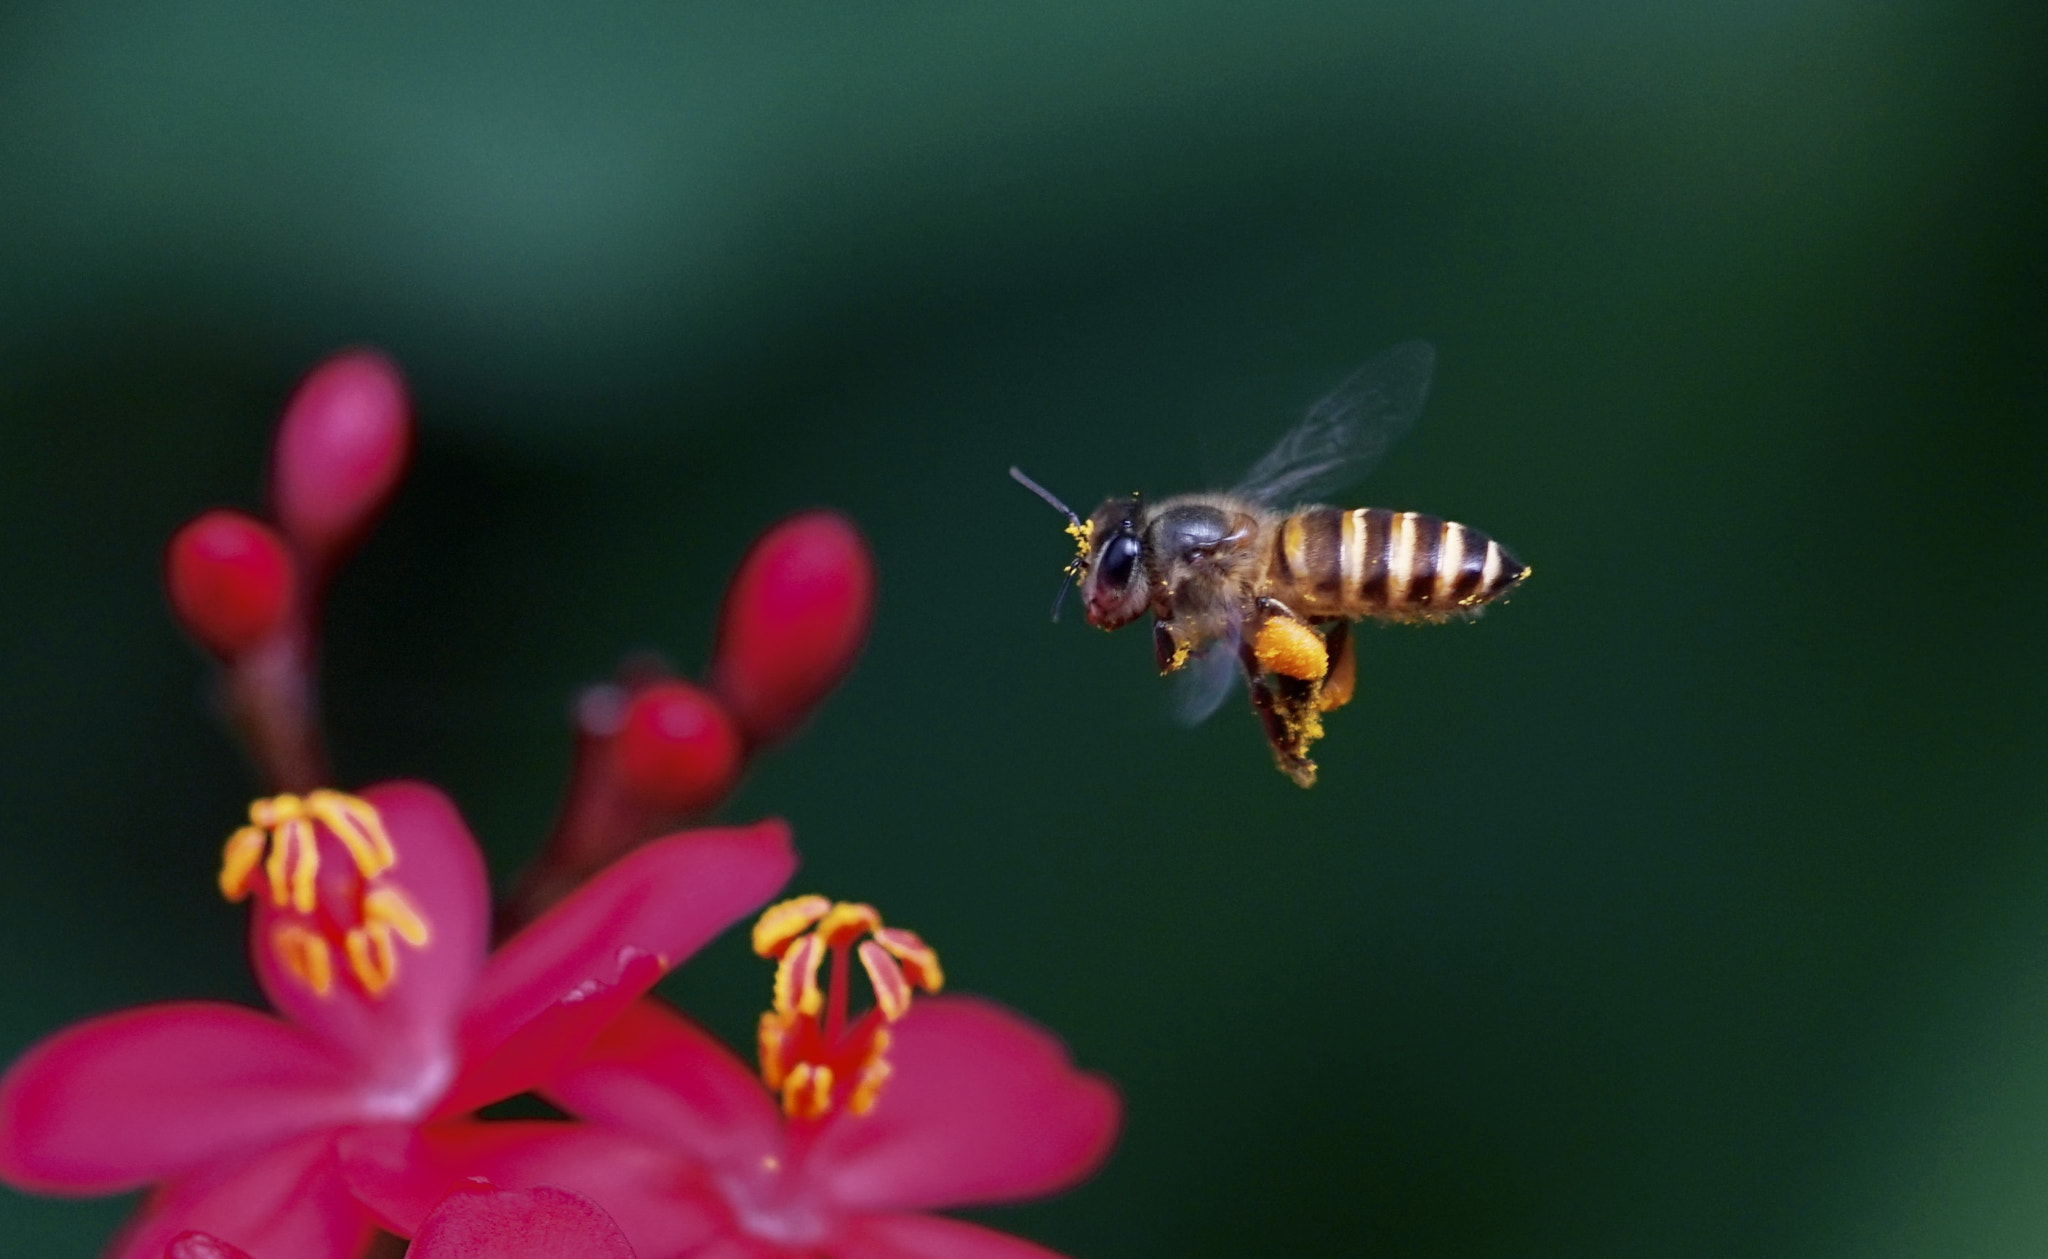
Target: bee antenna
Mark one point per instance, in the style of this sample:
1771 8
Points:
1060 600
1017 474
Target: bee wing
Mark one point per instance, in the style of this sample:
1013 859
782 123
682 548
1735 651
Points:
1344 435
1203 683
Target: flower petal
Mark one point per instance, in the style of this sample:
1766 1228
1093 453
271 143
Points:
402 1173
404 1039
983 1106
202 1246
135 1097
656 1075
930 1237
286 1202
480 1221
665 901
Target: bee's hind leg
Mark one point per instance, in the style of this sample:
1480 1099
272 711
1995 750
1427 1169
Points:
1286 707
1342 679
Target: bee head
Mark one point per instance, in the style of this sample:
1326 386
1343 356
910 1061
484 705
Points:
1115 587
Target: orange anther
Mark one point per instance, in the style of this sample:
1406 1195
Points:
892 990
303 953
796 978
388 906
370 957
238 860
807 1092
873 1074
848 921
784 921
358 828
920 960
769 1034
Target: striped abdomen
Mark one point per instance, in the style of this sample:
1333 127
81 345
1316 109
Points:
1397 565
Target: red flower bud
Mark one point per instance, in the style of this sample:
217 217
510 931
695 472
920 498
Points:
340 450
231 582
677 750
793 622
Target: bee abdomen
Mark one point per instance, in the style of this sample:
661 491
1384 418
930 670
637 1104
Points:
1405 565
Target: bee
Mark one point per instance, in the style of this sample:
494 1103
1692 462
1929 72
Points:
1264 582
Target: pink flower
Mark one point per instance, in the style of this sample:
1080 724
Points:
479 1221
369 936
692 1156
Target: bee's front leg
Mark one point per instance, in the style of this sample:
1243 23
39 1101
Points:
1170 647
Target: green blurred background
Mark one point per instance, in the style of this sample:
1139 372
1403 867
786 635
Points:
1694 904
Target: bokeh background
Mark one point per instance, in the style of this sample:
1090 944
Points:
1696 903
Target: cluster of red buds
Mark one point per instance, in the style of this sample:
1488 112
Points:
652 749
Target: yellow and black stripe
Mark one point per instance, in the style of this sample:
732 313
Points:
1395 565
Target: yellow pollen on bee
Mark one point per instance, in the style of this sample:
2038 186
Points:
1291 649
1083 535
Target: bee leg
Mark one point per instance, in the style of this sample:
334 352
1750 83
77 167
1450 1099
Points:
1291 724
1342 678
1169 649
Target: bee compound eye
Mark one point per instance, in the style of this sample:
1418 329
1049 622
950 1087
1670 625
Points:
1119 558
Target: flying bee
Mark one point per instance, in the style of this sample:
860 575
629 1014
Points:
1265 582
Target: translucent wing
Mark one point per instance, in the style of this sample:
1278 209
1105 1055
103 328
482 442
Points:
1345 434
1203 683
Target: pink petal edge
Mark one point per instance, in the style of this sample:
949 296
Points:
657 1199
134 1097
481 1221
665 900
931 1237
286 1202
655 1074
983 1106
202 1246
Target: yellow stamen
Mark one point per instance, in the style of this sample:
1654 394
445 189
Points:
920 960
305 847
796 978
784 921
807 1093
284 837
803 1058
769 1035
371 956
305 955
358 827
848 921
238 860
387 905
873 1075
892 990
